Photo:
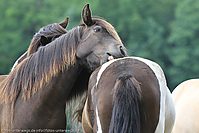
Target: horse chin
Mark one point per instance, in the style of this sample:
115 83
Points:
93 65
93 62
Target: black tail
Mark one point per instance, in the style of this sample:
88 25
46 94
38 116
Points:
126 100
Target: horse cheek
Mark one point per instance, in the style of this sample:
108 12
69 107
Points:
83 51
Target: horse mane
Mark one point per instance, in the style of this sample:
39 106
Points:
39 68
51 30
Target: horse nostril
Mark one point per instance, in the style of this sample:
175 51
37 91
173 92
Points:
122 51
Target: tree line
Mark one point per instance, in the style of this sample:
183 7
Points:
166 32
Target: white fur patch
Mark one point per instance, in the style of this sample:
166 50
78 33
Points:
99 127
103 67
86 114
16 62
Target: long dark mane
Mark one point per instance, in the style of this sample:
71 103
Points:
49 32
126 102
39 68
52 30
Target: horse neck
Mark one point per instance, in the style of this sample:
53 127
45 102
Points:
60 86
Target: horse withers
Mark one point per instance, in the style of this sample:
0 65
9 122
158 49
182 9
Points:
35 93
128 95
186 100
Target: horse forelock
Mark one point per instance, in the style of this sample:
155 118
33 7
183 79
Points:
109 28
38 69
51 30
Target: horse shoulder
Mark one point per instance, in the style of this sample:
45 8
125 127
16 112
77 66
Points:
86 123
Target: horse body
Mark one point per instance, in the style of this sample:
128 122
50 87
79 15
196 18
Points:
128 95
36 91
185 97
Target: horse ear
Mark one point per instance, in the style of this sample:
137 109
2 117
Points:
86 15
64 23
43 40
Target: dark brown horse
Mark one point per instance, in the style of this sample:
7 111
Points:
128 95
34 95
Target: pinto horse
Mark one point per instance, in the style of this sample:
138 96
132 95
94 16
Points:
34 95
186 100
128 95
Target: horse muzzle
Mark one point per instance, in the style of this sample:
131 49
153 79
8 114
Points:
115 54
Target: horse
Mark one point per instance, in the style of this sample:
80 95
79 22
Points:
34 95
44 36
185 97
128 95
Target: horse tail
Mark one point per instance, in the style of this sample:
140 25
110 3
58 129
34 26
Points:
126 101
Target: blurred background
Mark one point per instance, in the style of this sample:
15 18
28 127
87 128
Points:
164 31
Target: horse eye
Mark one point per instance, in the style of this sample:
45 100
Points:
97 29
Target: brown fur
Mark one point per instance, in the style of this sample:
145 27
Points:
44 36
30 74
36 91
126 95
48 31
110 29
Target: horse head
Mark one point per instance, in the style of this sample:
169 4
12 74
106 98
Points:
99 41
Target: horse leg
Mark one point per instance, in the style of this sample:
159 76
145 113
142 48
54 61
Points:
167 113
170 114
86 123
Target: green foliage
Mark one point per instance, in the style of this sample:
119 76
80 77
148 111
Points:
163 31
183 42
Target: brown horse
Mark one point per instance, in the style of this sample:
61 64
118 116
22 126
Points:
128 95
34 95
186 100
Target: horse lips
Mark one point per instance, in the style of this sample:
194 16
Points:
110 58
